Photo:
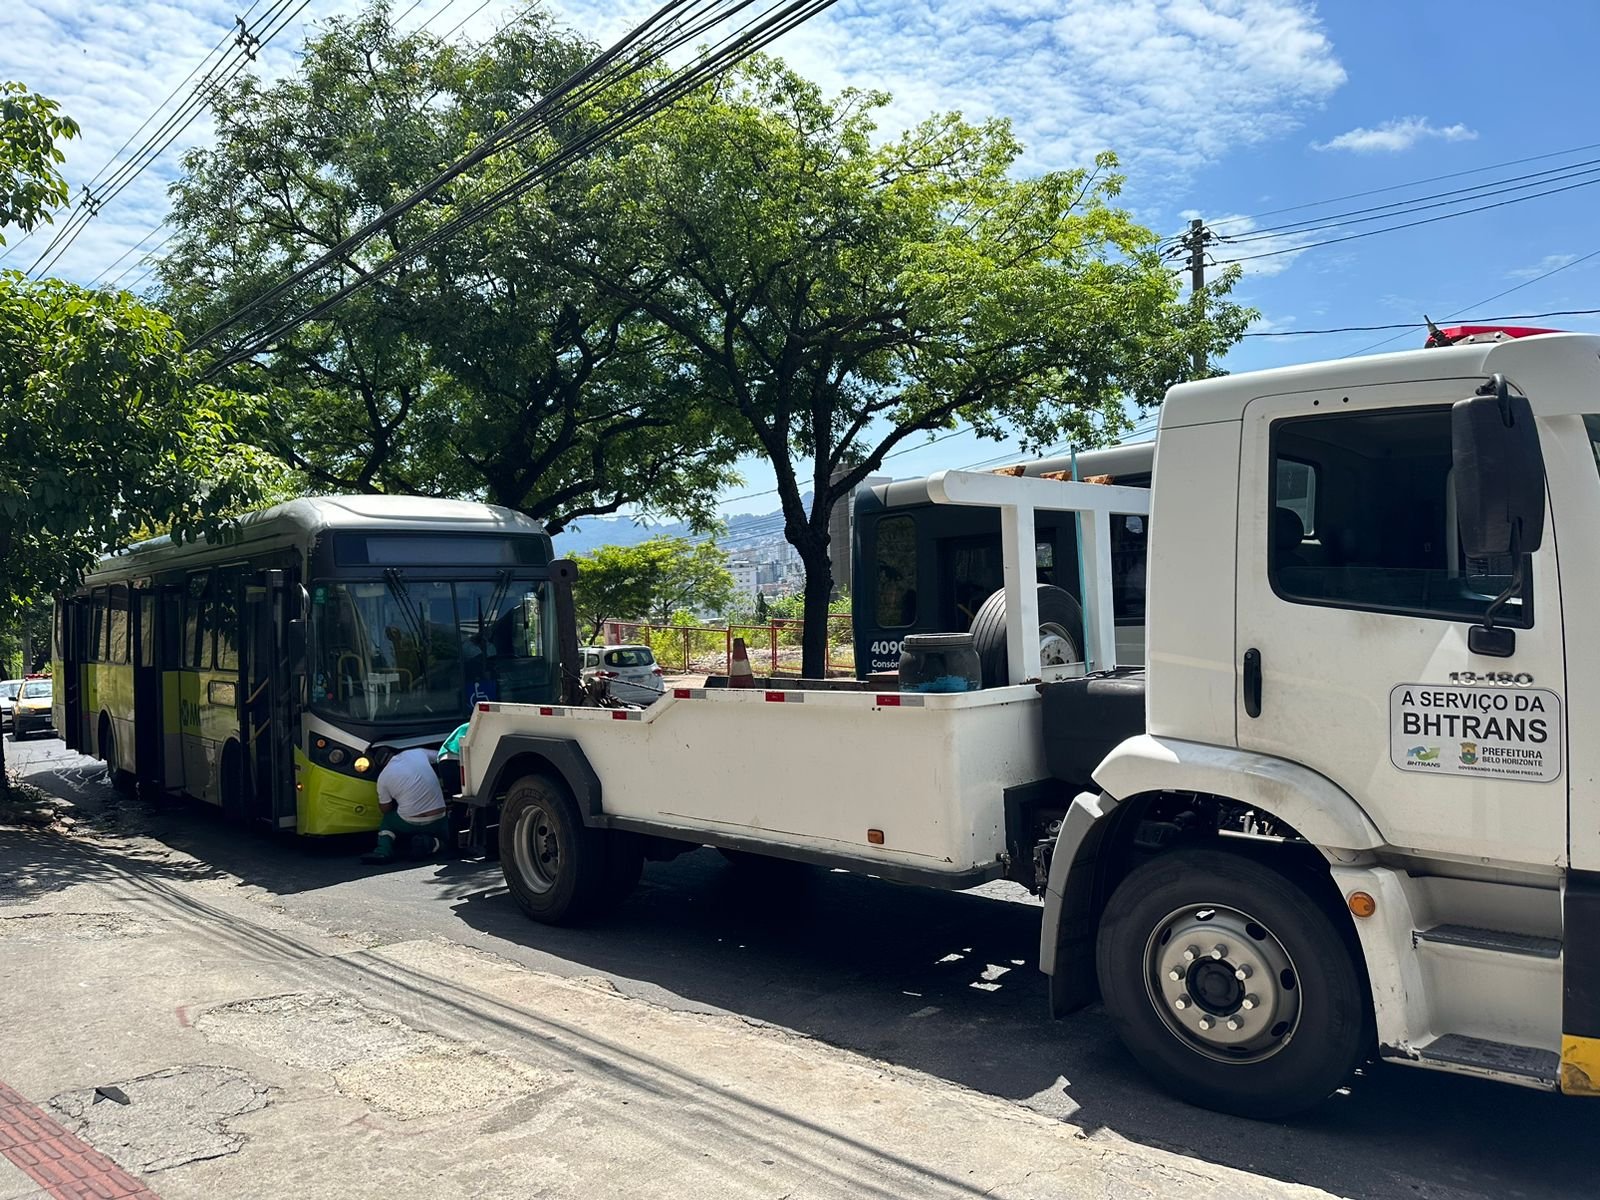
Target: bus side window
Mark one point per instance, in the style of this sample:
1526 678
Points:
169 606
117 623
897 572
97 626
196 654
225 618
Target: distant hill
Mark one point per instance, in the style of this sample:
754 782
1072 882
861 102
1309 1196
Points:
590 533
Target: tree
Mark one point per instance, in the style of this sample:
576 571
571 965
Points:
475 369
103 432
650 581
30 182
835 297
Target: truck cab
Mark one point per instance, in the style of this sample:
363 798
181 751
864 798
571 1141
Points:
1371 636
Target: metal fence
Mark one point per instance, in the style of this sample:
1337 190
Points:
773 648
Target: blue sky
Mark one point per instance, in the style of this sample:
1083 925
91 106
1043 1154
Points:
1224 109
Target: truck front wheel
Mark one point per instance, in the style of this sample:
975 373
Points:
554 865
1231 985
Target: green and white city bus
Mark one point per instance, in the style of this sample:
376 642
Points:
254 671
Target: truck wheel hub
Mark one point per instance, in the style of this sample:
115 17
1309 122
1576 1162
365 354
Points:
1222 983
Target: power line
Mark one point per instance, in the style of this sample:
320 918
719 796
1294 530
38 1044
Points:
1490 299
576 88
1398 208
219 75
143 125
1406 225
450 4
1560 312
95 282
734 47
1395 187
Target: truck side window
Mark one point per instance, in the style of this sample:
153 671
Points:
1363 517
897 572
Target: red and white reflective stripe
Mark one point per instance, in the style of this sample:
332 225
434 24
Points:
899 700
786 697
483 707
627 714
689 693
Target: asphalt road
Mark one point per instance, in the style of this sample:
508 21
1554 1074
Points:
941 983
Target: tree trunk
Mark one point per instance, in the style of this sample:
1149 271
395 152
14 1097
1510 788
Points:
819 591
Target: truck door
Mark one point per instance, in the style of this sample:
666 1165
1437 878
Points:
1354 603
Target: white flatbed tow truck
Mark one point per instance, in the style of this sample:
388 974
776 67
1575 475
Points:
1339 815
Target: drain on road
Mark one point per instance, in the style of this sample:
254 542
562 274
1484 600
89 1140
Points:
373 1057
170 1118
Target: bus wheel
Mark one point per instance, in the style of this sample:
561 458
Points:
1060 633
121 781
231 783
1230 985
554 865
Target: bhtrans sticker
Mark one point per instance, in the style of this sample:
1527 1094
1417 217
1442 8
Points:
1500 733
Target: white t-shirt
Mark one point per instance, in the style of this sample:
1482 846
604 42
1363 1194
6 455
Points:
408 782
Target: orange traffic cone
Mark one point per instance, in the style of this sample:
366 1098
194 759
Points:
739 673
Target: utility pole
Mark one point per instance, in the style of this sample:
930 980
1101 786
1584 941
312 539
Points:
1195 242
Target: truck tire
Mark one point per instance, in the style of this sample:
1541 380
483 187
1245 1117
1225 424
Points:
1060 633
554 865
1276 1040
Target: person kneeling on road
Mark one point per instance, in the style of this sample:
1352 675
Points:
412 804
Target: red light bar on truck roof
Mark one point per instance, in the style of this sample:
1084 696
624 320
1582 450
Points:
1464 335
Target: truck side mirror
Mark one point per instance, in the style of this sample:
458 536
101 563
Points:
1499 486
1499 473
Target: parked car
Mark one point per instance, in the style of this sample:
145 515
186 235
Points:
631 673
8 700
32 713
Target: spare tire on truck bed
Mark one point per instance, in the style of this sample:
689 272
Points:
1060 633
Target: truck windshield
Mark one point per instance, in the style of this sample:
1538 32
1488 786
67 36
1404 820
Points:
393 649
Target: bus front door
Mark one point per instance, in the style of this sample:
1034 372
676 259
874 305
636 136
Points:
148 720
267 716
72 658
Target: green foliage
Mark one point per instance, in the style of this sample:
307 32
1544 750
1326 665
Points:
479 369
834 295
103 435
30 178
650 581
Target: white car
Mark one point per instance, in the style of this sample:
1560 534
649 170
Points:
8 700
631 673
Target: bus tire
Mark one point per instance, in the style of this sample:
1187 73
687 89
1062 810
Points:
1060 633
554 865
106 742
231 785
1278 1039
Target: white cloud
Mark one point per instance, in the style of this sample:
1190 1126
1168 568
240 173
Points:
1550 262
111 63
1394 136
1169 84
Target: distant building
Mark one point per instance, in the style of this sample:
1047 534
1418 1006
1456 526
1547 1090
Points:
746 577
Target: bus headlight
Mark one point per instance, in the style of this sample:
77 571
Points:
363 764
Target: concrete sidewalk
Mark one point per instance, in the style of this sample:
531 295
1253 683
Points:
238 1052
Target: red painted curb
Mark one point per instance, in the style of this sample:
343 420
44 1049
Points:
64 1166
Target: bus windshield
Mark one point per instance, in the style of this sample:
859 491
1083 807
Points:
394 649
